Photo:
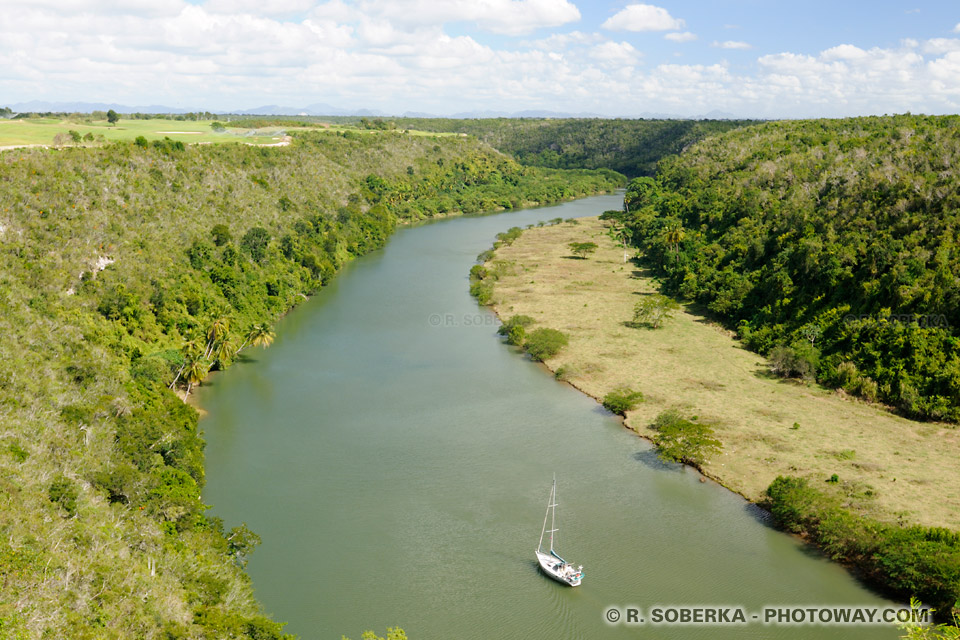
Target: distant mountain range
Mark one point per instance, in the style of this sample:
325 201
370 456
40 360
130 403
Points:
323 109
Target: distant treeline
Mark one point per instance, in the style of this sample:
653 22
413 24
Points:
832 246
128 267
631 147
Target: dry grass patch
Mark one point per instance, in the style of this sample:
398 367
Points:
698 368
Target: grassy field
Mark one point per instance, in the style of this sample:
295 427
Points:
890 467
41 131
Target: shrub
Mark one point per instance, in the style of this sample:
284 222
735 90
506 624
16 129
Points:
477 272
255 242
482 291
64 493
565 372
621 400
515 321
516 336
220 234
912 561
508 236
545 343
651 310
682 440
797 361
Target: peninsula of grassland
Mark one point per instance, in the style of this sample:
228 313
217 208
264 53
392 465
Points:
830 249
129 268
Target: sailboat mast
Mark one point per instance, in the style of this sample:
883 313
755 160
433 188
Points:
553 511
544 529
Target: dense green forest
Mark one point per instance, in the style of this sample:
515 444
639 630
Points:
631 147
130 270
831 245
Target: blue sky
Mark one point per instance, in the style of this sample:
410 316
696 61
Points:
747 58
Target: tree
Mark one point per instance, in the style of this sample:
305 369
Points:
75 136
221 234
113 117
582 249
218 127
544 343
255 242
259 335
621 400
196 371
673 237
216 332
653 309
682 440
241 542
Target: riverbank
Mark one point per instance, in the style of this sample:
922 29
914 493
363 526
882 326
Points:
887 467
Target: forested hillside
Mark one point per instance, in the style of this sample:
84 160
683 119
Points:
631 147
133 268
831 245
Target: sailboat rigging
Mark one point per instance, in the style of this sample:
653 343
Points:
552 563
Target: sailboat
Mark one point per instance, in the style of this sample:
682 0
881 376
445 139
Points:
551 563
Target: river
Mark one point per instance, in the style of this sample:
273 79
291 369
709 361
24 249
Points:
396 459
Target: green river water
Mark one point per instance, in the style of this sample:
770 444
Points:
396 459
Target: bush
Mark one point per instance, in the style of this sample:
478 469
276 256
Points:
682 440
913 561
516 336
621 400
255 242
798 361
651 310
482 291
565 372
545 343
477 272
63 493
519 320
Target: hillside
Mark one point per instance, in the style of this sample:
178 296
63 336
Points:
631 147
830 245
128 269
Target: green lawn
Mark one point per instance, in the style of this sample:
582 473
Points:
41 131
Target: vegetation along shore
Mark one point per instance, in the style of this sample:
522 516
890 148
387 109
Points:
130 270
757 311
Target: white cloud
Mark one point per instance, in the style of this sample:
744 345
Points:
939 46
956 29
615 54
362 55
512 17
681 36
643 17
731 44
259 7
561 41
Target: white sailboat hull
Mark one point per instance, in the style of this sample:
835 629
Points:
559 570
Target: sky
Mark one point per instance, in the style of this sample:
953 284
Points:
744 58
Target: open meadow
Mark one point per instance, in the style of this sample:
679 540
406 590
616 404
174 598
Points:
888 467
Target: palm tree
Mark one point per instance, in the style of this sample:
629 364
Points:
190 350
674 236
259 336
196 371
222 352
216 332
